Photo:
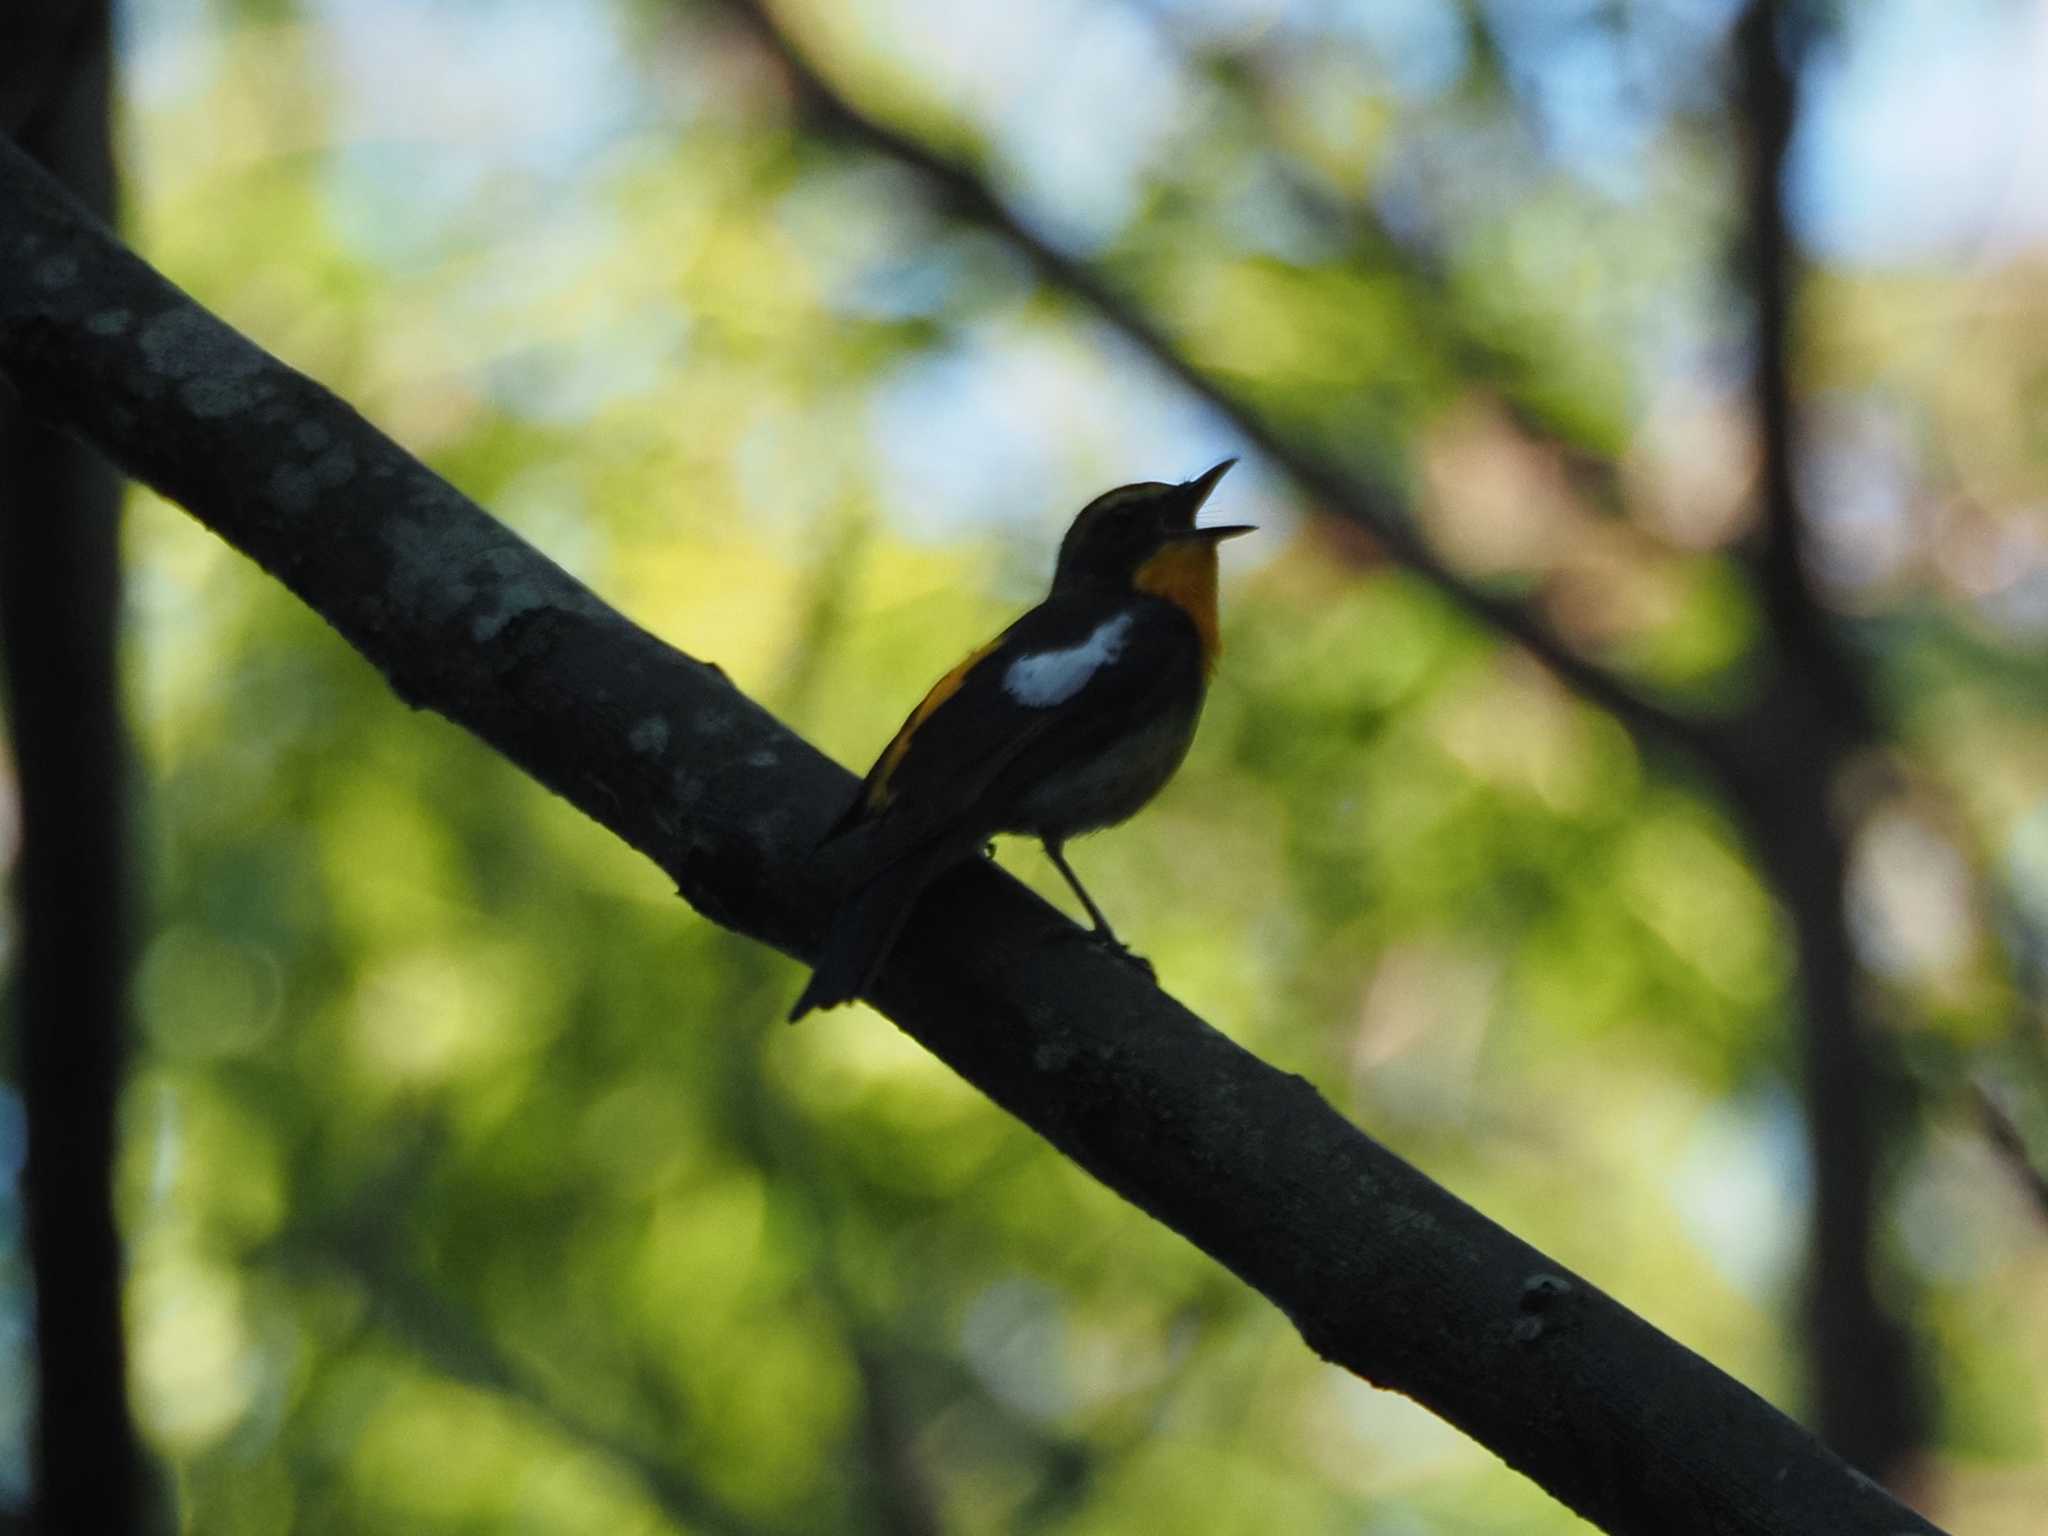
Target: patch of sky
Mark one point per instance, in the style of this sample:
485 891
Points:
1228 22
1075 101
549 505
168 50
916 284
1015 1339
1857 470
863 227
1266 213
1742 1190
436 103
1006 400
1600 82
1925 133
1087 114
1567 66
1009 425
637 354
1421 46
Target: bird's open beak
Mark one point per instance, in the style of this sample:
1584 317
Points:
1198 492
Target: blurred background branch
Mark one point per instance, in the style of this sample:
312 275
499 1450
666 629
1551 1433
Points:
2011 1143
1377 508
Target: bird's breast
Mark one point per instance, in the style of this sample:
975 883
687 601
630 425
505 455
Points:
1111 783
1184 573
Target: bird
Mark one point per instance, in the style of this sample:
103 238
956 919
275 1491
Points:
1068 721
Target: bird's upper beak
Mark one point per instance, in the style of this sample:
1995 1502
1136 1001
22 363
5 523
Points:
1198 490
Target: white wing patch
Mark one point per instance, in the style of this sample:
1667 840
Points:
1045 678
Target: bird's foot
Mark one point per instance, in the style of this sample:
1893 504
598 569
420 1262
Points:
1109 943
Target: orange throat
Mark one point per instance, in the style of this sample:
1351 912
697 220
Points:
1184 573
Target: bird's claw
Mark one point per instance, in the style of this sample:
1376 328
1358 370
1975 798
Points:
1133 959
1110 944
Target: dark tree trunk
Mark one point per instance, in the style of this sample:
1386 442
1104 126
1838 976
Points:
59 598
1813 721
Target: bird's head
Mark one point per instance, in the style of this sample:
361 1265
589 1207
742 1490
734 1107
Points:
1118 532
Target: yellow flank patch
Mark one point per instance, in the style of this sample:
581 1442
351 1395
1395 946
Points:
1184 573
892 756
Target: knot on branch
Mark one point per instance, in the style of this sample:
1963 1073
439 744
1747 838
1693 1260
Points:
1541 1295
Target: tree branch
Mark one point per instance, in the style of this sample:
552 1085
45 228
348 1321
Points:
1382 1271
2010 1143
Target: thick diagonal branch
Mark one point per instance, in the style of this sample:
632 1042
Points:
1381 1270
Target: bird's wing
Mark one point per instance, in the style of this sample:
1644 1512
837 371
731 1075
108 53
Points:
1070 660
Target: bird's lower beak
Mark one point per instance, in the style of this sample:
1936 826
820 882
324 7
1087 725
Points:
1198 490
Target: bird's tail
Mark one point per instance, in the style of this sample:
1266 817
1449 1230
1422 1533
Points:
864 931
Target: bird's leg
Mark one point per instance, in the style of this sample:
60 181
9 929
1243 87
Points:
1054 850
1103 934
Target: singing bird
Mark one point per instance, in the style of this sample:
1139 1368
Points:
1068 721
